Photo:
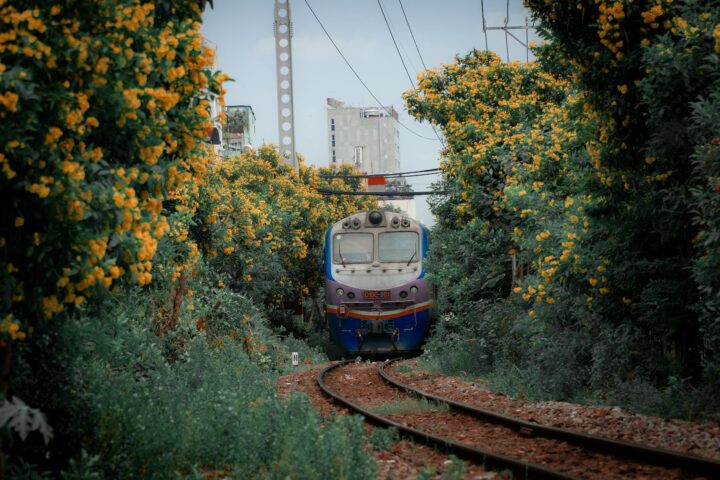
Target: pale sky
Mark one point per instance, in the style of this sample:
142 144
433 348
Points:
243 33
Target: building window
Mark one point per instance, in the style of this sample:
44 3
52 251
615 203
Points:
332 124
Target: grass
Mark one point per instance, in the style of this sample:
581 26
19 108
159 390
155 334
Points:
408 406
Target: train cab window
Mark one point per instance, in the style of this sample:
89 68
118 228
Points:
399 247
353 248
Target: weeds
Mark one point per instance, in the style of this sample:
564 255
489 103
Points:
409 406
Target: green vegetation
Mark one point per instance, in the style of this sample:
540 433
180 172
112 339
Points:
144 282
576 253
409 406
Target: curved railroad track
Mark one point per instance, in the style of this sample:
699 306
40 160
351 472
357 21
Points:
528 449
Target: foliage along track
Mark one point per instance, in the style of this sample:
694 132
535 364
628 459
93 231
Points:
642 453
484 441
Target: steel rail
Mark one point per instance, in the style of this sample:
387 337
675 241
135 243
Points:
656 456
495 461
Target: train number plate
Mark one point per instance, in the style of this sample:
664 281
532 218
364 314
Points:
376 294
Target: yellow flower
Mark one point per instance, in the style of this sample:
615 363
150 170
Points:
19 221
622 89
53 135
593 281
9 100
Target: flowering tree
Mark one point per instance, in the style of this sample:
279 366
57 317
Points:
264 225
103 106
594 172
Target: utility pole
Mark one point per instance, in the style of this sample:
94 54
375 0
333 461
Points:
506 28
282 27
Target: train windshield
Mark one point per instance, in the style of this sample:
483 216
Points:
398 247
353 248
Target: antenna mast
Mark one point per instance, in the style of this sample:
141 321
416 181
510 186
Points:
283 62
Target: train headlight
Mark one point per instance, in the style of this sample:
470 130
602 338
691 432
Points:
351 295
356 223
340 292
403 294
413 289
405 223
395 222
346 224
375 217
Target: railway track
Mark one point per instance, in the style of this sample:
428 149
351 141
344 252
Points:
528 449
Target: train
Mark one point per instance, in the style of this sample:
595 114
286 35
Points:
377 298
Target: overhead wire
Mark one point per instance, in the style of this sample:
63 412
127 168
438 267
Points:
422 60
413 173
402 60
326 191
413 67
347 62
397 49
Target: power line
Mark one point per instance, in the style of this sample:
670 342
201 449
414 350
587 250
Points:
400 42
326 191
412 34
412 82
358 76
397 49
414 173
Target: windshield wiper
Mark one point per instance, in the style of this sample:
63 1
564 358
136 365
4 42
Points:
411 258
342 260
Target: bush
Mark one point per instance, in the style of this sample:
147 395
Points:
579 218
211 408
103 109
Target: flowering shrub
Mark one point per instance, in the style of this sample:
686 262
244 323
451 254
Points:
103 107
650 71
264 225
583 188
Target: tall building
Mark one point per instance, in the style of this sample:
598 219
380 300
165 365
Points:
239 128
366 137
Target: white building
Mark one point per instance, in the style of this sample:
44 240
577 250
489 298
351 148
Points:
366 137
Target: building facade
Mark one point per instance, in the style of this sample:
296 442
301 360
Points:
215 133
366 137
239 129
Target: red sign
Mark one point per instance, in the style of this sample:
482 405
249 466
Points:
376 180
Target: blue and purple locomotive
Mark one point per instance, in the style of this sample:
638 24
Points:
377 299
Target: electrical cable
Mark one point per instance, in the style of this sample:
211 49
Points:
407 72
326 191
421 60
397 49
358 76
412 35
429 171
413 67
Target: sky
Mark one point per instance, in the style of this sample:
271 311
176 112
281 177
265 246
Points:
243 33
